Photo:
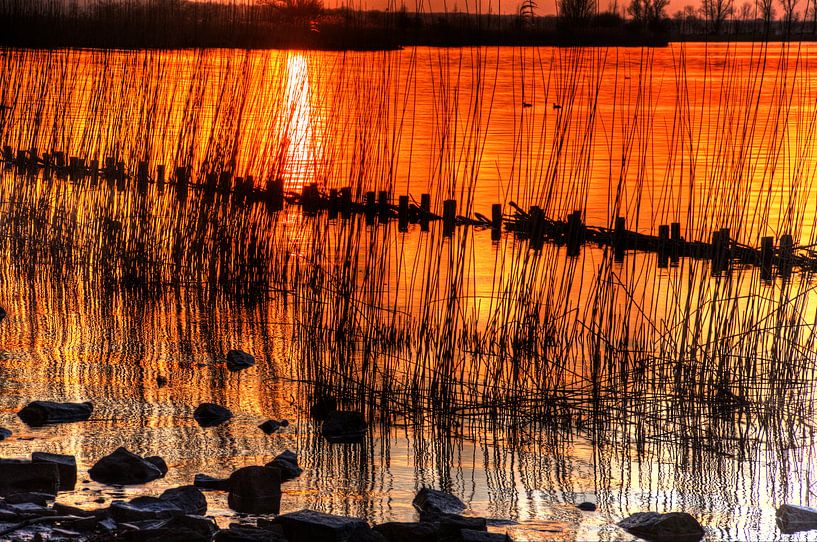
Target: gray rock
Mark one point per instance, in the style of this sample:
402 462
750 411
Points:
238 360
4 434
432 501
188 498
287 463
143 509
23 476
255 490
792 518
66 464
202 481
271 426
344 427
124 468
41 413
33 497
586 506
673 526
157 462
451 526
311 526
211 414
408 532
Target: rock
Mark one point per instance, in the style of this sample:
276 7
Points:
451 526
188 498
271 426
23 476
467 535
432 501
202 481
255 490
792 518
124 468
322 407
238 360
142 509
34 497
674 526
40 413
157 462
4 434
161 381
408 532
245 533
211 414
586 506
344 427
311 526
287 463
177 528
66 464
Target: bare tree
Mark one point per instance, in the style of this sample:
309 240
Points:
648 13
811 14
746 16
715 12
575 12
765 9
789 14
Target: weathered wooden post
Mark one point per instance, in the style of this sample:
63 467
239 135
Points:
402 213
383 205
371 207
225 179
181 182
663 246
575 233
425 210
449 216
142 177
619 233
766 257
785 259
675 245
496 221
333 203
275 195
8 153
536 227
346 203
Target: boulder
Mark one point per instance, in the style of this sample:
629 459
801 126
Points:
24 476
586 506
238 360
211 414
246 533
287 463
311 526
322 407
177 528
66 464
188 498
432 501
158 462
41 413
344 427
4 434
124 468
143 509
271 426
792 518
202 481
408 532
451 526
673 526
34 497
255 490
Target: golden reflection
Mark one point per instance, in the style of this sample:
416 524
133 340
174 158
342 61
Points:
301 150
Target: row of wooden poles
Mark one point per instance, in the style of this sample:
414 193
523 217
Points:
532 224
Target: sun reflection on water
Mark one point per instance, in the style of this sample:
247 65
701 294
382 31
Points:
299 127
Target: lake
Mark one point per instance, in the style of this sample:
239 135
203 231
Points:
524 381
